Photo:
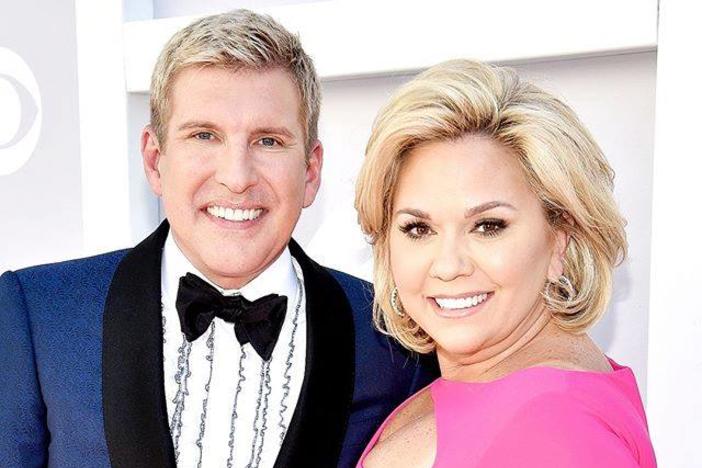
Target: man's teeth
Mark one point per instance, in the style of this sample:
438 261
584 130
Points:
231 214
462 302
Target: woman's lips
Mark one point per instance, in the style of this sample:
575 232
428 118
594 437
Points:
459 306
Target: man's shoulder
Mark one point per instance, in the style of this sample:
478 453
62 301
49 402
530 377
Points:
356 289
349 281
68 271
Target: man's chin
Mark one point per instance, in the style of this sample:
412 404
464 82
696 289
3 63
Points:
233 282
232 258
234 270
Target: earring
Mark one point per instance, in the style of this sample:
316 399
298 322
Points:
563 286
395 303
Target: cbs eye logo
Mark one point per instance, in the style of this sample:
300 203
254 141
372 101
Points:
20 112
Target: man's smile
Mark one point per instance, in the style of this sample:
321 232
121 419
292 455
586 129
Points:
234 214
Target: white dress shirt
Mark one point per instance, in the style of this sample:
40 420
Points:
203 421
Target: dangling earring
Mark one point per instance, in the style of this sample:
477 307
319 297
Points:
395 303
565 285
562 285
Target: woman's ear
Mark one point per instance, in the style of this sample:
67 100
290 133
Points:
561 239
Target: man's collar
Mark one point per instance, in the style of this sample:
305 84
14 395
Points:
134 402
278 278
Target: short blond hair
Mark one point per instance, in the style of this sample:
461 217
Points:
239 39
563 164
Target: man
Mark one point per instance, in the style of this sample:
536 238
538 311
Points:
216 341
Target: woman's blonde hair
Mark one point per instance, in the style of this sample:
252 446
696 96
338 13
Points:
562 163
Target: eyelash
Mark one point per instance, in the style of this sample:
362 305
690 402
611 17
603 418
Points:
496 227
408 229
499 225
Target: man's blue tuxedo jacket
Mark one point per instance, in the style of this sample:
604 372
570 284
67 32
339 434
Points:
81 366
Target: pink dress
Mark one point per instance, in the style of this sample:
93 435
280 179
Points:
539 417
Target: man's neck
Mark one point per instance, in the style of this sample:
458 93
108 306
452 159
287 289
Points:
278 277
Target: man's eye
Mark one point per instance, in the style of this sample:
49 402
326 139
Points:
204 136
269 142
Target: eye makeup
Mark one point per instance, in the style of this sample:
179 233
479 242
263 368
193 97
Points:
415 230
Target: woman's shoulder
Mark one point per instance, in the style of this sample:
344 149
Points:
578 418
554 388
574 372
563 426
558 387
551 416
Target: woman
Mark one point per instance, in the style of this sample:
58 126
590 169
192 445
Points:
495 235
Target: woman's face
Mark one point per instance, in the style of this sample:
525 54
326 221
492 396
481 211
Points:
470 247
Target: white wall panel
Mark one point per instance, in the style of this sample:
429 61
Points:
103 126
370 37
40 200
675 331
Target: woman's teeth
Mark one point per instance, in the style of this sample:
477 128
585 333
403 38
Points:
462 302
231 214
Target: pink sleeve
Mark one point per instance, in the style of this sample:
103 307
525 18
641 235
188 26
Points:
556 431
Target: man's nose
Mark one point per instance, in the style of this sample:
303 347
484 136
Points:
451 261
236 169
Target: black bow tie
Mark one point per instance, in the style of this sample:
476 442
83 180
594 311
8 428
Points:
258 322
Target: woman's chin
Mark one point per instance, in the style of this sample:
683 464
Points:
458 345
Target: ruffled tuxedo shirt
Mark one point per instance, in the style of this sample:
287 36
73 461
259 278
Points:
226 406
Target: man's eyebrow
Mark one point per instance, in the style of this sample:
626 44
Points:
196 124
275 131
470 212
413 212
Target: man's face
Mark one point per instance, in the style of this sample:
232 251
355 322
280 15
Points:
232 170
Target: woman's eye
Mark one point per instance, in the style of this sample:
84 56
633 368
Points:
416 230
490 227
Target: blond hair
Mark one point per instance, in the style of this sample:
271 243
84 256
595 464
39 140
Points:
236 40
563 165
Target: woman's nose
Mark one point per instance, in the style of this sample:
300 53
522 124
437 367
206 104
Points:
451 261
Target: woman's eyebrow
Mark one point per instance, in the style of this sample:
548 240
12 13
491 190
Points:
413 212
470 212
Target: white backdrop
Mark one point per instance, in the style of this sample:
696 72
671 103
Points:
40 201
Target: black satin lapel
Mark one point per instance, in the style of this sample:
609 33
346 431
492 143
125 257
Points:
318 425
134 404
